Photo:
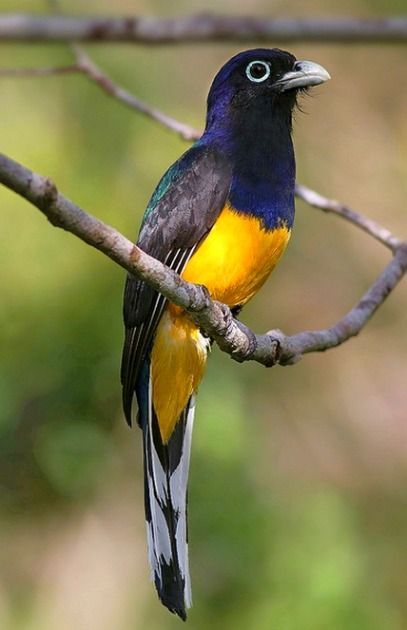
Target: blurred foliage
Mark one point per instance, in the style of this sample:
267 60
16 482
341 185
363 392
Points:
297 494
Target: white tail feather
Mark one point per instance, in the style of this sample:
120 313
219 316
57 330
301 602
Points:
166 492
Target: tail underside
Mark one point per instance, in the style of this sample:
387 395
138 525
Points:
165 491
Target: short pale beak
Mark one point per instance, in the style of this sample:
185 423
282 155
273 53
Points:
304 74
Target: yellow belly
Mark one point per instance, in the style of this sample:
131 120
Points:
233 262
236 257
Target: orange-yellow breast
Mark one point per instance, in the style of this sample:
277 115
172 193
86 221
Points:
236 257
233 262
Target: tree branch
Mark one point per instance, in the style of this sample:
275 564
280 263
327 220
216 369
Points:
85 65
88 67
378 232
47 71
214 318
204 27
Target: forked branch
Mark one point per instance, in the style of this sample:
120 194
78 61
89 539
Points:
214 318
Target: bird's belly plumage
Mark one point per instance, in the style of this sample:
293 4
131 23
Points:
233 262
236 257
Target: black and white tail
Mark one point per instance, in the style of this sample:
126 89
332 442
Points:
165 492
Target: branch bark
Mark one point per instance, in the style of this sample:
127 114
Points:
214 318
204 27
46 71
369 226
86 66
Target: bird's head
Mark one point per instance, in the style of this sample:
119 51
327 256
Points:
255 83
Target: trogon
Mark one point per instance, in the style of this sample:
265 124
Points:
221 216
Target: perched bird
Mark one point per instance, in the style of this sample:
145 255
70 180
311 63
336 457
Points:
221 216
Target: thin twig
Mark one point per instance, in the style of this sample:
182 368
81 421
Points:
378 232
214 318
49 71
87 66
203 27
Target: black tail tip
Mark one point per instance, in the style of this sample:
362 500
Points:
180 612
127 402
176 607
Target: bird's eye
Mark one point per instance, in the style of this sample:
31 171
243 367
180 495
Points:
258 71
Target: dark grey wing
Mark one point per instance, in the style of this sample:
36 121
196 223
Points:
181 212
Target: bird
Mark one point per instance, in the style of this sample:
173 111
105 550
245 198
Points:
221 216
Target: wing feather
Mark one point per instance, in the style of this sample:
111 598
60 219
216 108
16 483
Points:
180 214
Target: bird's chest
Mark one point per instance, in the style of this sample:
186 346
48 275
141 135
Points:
237 256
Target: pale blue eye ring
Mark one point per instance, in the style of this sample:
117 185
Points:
258 71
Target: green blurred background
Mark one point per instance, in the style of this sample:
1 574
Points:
297 495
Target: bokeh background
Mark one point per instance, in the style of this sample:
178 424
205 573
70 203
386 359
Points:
298 479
